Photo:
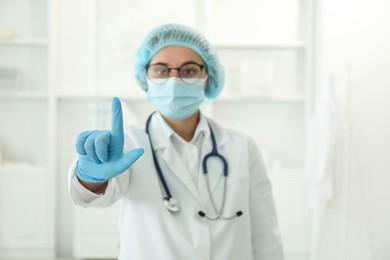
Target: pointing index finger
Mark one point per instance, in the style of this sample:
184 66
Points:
117 121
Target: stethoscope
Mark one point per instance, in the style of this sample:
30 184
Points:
172 204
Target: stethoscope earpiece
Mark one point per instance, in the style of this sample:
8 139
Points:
201 214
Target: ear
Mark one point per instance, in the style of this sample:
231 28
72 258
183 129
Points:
206 82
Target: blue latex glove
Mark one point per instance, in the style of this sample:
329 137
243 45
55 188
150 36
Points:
101 154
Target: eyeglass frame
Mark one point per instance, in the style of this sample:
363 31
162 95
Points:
201 66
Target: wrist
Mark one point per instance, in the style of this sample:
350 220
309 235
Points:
82 175
95 187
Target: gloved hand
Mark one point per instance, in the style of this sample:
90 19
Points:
100 152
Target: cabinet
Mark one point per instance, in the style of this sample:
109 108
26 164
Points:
26 132
96 237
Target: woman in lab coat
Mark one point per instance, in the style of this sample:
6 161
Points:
223 212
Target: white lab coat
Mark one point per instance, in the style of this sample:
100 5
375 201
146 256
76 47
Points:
149 231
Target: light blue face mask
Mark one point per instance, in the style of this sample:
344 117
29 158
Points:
176 99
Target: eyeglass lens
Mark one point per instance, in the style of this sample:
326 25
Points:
189 73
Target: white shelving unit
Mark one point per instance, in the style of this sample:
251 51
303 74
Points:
65 87
26 134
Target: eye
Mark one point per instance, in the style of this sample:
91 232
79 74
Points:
190 70
158 71
161 70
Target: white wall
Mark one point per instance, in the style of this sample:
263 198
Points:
355 51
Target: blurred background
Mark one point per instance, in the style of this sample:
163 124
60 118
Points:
308 79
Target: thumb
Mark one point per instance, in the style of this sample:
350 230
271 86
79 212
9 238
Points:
128 159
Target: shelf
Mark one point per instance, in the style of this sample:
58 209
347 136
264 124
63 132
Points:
71 96
24 42
222 98
261 97
23 94
22 167
264 45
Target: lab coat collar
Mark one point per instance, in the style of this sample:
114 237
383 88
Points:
161 132
162 135
161 140
220 133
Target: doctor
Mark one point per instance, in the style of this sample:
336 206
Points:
190 188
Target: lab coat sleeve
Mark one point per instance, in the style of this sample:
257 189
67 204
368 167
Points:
83 197
266 238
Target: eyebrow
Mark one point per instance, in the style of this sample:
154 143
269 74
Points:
185 63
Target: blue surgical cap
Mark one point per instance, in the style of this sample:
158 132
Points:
180 35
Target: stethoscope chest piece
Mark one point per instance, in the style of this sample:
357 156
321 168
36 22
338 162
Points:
171 204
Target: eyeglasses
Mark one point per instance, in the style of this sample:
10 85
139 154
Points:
189 73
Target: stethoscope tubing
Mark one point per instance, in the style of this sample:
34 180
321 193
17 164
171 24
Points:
214 153
171 204
156 164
